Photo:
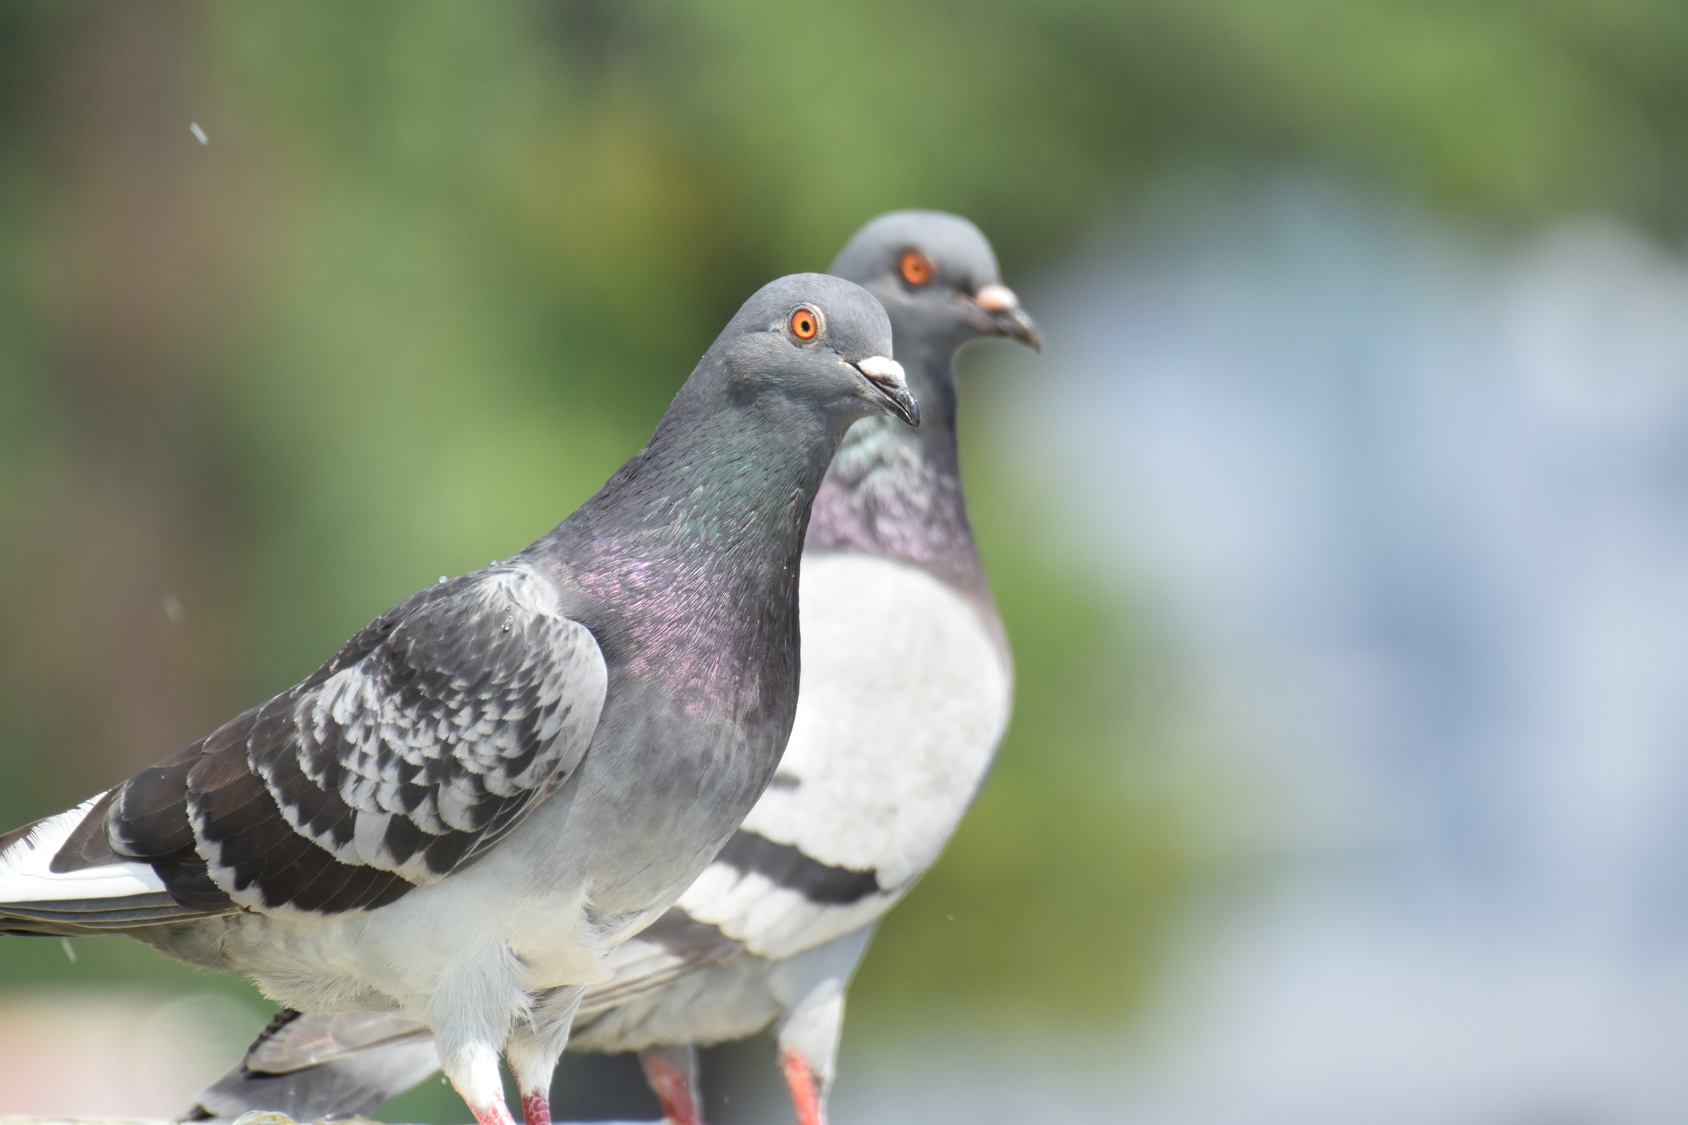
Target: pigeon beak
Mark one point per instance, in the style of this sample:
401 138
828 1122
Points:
887 378
1006 318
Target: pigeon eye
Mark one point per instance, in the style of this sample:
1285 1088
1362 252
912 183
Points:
917 268
804 324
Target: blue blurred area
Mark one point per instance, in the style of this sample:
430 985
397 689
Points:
1410 508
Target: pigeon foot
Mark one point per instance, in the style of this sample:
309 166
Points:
805 1091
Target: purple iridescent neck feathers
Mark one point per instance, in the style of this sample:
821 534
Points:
687 558
898 495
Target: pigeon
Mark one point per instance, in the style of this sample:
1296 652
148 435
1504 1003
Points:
905 696
461 815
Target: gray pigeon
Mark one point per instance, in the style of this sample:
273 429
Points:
464 812
906 693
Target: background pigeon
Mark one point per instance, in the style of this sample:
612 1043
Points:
499 780
906 694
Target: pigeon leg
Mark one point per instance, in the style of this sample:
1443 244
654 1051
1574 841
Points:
808 1035
536 1045
536 1107
805 1091
532 1064
672 1073
533 1081
494 1112
474 1075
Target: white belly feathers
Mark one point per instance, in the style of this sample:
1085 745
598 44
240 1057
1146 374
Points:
905 695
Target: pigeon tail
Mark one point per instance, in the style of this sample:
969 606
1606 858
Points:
312 1067
41 896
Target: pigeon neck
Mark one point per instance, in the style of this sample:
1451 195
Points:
700 538
895 492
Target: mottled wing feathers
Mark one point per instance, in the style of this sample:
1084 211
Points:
421 744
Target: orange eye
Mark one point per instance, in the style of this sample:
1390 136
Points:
917 268
804 324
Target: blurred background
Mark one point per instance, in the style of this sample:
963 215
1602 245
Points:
1341 529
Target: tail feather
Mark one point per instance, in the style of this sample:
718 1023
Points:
35 898
314 1067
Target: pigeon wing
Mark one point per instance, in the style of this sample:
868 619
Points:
426 739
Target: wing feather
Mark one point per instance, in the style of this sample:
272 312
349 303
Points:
426 739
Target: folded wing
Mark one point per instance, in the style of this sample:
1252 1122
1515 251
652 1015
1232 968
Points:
423 742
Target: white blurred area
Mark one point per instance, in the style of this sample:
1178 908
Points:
1412 512
84 1053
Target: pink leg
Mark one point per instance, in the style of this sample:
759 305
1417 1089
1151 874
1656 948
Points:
805 1091
673 1087
493 1112
536 1108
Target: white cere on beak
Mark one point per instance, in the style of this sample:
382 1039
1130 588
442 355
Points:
996 298
882 367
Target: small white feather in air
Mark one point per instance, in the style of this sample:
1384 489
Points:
199 133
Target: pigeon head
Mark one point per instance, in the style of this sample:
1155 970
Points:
755 426
810 341
936 271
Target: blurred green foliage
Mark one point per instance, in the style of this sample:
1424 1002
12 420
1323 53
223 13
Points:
442 264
